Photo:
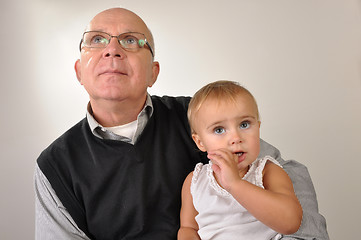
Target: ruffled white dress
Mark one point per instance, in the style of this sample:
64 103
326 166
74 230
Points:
220 215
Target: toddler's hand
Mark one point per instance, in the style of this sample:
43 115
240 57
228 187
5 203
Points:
225 167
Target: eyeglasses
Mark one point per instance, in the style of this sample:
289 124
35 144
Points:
129 40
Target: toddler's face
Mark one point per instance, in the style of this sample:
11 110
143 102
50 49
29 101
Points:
230 125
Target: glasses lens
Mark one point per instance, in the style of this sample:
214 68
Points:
132 40
96 39
129 40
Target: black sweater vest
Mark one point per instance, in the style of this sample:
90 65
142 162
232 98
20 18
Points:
115 190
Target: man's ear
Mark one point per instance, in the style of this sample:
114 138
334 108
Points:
198 142
155 73
77 68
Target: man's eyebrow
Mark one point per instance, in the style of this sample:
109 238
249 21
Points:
105 31
96 30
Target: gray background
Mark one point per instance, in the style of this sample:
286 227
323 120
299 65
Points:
300 58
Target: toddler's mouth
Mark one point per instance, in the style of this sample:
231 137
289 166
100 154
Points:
240 156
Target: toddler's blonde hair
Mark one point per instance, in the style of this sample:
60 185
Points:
223 90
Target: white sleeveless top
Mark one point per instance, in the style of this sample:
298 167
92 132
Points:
220 215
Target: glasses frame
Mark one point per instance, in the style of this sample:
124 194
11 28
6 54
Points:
117 37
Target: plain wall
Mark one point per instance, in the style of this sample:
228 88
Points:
301 59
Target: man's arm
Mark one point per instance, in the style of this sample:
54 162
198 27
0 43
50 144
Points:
52 220
313 225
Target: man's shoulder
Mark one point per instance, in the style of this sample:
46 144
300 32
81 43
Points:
171 100
171 107
69 137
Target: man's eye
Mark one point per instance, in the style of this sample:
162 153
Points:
130 40
245 125
219 130
99 40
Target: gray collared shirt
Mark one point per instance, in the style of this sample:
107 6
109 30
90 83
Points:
142 119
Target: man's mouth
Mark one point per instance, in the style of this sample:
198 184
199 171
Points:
113 72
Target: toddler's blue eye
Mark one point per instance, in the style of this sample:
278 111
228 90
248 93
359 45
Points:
245 125
219 130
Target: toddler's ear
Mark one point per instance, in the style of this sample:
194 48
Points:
198 142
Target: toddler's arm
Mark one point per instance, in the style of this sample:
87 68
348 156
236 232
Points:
188 225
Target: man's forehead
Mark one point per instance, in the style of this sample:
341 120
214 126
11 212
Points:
116 19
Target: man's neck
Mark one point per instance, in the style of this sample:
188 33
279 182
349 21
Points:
116 113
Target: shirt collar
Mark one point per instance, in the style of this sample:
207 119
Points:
146 113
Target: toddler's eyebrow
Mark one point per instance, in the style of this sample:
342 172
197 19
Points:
214 124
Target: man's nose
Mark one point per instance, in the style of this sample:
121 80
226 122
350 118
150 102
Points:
114 49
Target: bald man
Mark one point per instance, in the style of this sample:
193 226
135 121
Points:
118 173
